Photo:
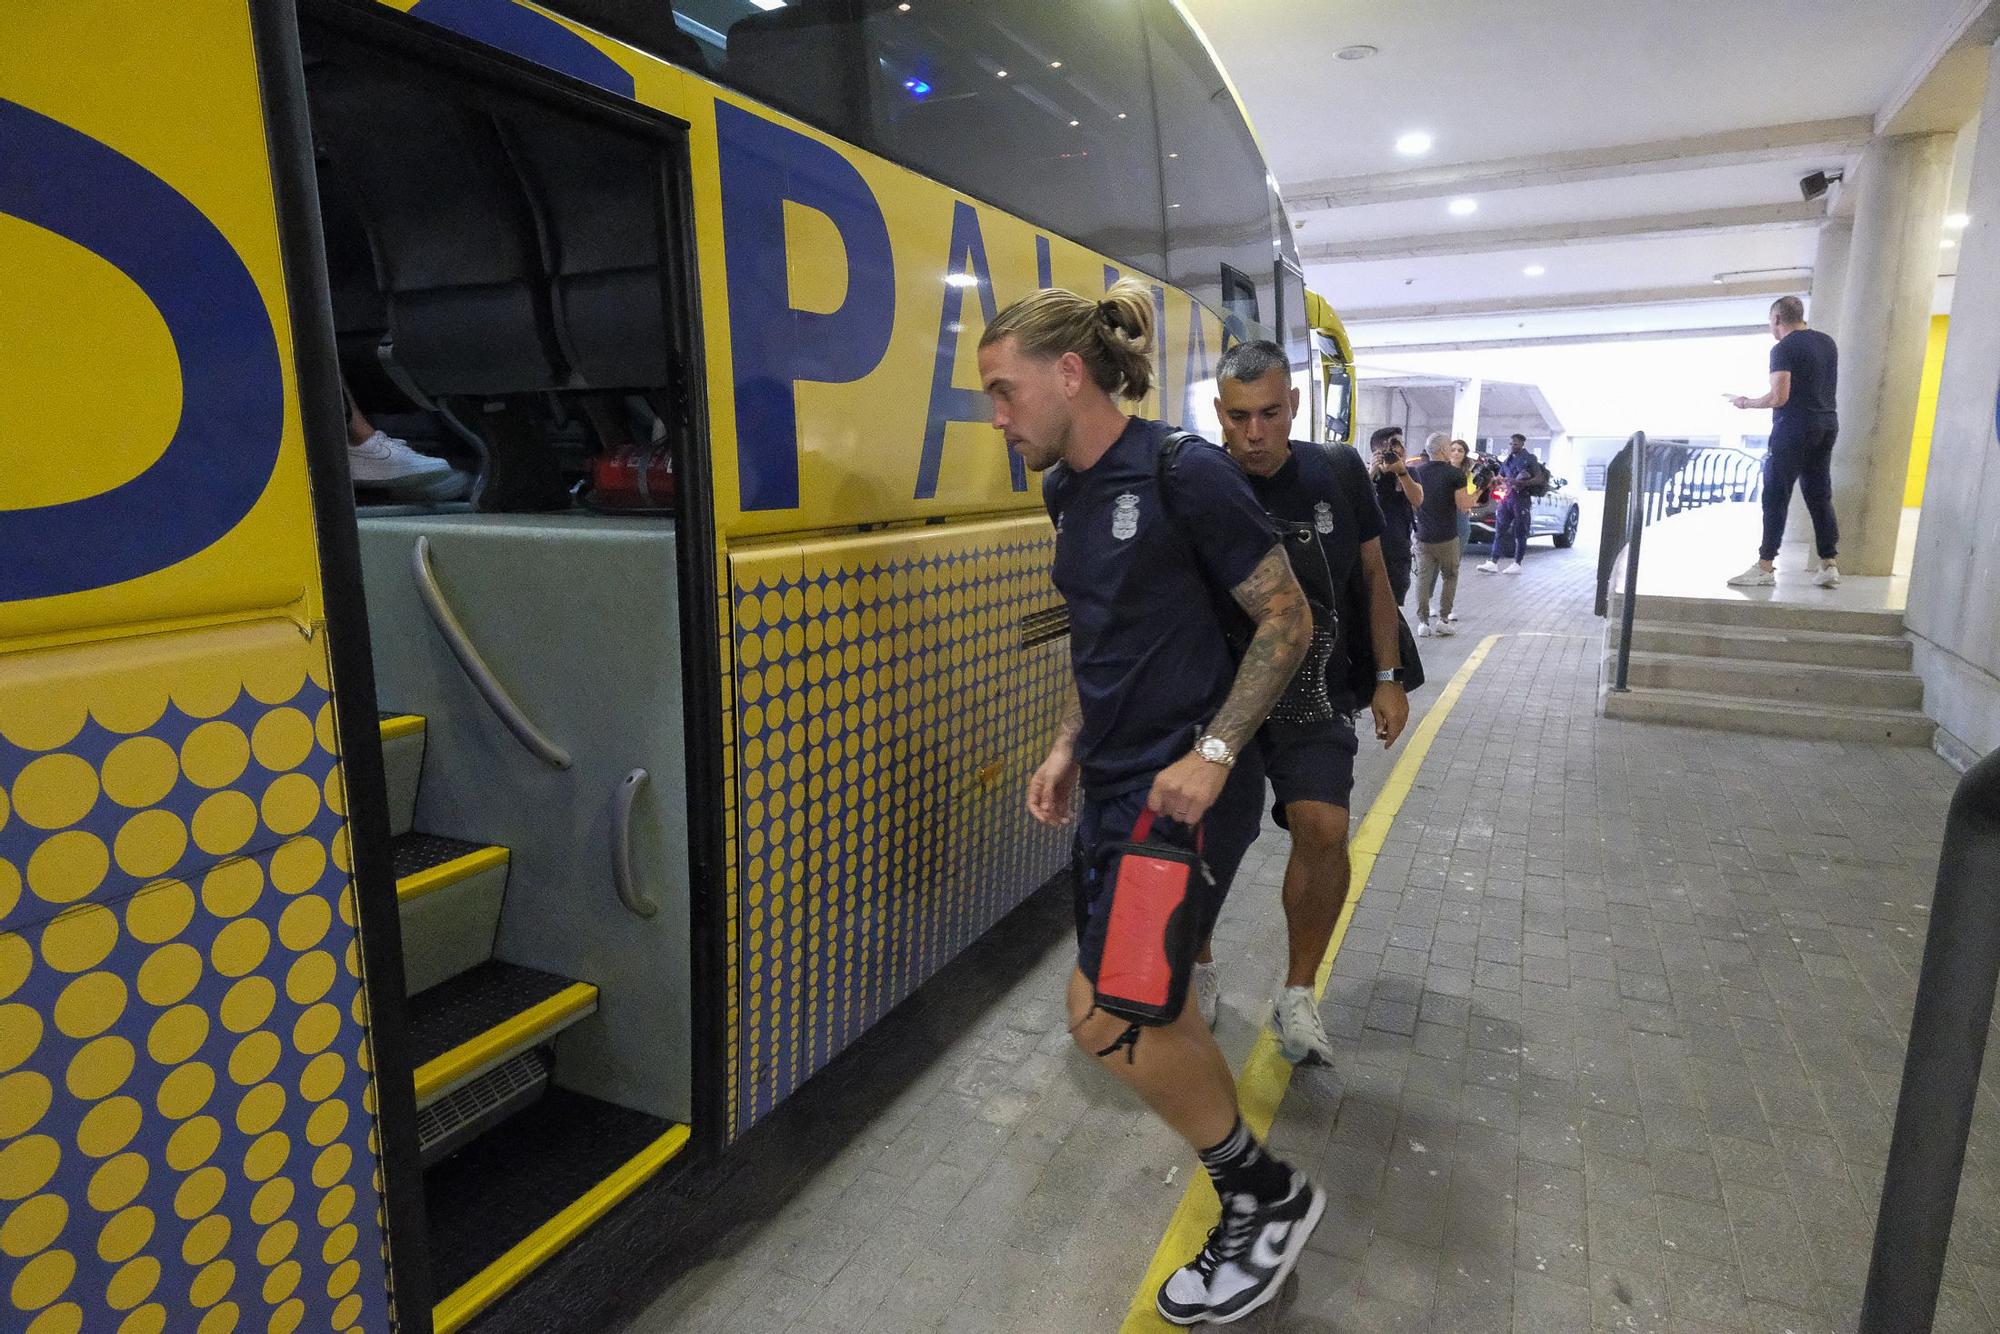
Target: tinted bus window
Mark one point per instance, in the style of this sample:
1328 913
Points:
1044 110
1217 197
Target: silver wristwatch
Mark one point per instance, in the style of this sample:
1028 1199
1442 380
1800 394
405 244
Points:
1215 750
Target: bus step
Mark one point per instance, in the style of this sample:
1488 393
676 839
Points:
402 766
462 1028
502 1206
448 892
458 1118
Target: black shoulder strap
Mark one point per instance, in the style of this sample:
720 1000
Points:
1163 468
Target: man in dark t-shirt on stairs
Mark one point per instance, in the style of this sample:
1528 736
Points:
1804 373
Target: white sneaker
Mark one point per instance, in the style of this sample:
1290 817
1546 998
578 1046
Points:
384 463
1444 630
1828 576
1423 629
1301 1037
1207 993
1755 577
1451 617
1512 567
1489 566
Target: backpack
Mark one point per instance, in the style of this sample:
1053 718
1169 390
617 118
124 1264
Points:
1535 483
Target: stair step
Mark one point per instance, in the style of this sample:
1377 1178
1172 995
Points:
1824 648
502 1206
463 1027
1755 611
449 892
1794 682
403 766
1902 727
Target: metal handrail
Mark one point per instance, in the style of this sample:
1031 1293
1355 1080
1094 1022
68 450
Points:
1948 1033
1635 531
622 877
532 738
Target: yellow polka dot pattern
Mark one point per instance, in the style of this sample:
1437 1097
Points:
184 1140
887 720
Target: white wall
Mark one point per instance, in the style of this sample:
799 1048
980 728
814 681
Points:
1954 612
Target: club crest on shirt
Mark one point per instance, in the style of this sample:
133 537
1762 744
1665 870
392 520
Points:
1125 516
1323 517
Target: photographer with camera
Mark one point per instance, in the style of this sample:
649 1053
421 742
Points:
1398 494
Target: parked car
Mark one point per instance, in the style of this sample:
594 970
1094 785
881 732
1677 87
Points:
1555 515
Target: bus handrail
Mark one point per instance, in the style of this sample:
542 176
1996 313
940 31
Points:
622 877
1948 1032
532 738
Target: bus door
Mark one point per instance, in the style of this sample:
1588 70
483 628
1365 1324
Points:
194 1052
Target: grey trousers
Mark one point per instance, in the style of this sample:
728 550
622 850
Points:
1435 559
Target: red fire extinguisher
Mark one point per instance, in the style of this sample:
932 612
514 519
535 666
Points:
634 479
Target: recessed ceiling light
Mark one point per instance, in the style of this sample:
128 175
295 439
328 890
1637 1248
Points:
1957 221
1173 206
1461 208
1073 124
1121 115
1173 155
1534 271
1356 52
1055 64
903 8
1414 144
999 73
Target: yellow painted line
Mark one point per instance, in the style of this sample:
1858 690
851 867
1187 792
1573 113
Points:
491 1283
1267 1074
402 725
419 883
441 1072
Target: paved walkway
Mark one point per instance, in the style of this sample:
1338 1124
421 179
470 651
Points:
1619 1016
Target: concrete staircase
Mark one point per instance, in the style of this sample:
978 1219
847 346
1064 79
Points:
1780 670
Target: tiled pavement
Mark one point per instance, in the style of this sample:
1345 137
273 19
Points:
1619 1018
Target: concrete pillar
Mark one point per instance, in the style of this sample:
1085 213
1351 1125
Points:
1829 284
1884 320
1465 414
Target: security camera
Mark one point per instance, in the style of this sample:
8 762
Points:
1818 183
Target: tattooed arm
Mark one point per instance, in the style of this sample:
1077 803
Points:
1051 787
1271 595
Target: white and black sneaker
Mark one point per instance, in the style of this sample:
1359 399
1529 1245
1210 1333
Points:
1247 1258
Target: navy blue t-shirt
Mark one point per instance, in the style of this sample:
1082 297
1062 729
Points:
1814 362
1324 489
1437 517
1146 637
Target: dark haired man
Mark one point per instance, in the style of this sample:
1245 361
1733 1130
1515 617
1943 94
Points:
1321 497
1805 366
1513 518
1398 494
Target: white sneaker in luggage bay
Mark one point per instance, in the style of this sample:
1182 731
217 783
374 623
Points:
1512 567
1755 577
1247 1258
1828 576
1301 1037
1207 993
1489 566
382 462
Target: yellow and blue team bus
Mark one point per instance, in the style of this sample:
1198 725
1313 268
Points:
387 890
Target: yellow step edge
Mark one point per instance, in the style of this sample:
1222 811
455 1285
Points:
419 883
527 1255
467 1058
402 725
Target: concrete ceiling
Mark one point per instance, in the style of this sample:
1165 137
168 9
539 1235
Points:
1644 157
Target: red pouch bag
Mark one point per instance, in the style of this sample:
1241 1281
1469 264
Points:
1153 932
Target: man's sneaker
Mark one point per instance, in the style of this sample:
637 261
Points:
1451 617
1247 1259
384 463
1443 630
1755 577
1302 1039
1512 567
1828 576
1423 629
1490 566
1207 993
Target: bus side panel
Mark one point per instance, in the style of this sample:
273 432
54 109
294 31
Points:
888 718
187 1114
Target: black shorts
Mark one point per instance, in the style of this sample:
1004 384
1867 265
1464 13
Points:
1227 833
1309 762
